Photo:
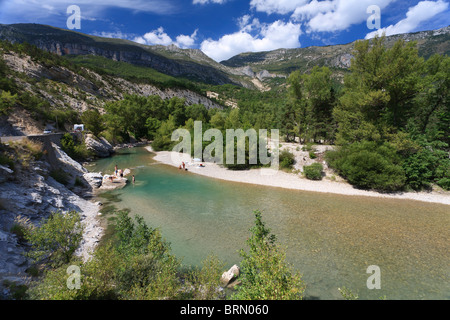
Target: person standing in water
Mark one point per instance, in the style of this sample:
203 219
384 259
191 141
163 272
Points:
134 179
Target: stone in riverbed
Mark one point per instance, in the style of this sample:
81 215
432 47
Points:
95 179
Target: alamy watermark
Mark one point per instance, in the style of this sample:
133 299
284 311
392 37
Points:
74 20
374 281
261 149
74 279
374 21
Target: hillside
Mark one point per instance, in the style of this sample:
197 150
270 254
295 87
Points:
254 70
56 91
285 61
65 42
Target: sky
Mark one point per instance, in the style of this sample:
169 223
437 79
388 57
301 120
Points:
225 28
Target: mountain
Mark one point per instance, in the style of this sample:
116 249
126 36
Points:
285 61
195 66
252 70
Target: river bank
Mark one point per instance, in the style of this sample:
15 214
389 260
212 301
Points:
281 179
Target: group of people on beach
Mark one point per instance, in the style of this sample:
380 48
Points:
119 172
183 166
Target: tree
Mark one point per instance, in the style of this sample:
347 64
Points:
56 239
93 121
380 90
265 274
314 97
7 101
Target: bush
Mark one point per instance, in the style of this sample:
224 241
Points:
368 165
265 273
444 183
287 159
56 239
75 150
313 172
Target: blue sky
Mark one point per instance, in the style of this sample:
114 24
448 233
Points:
224 28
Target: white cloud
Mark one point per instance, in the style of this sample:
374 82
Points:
423 11
48 11
268 37
160 37
155 37
184 41
307 11
336 15
276 6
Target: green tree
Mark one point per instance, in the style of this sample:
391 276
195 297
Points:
379 92
93 121
57 239
265 273
7 101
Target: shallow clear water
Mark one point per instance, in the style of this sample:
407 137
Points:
330 239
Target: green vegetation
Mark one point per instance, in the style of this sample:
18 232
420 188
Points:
313 172
133 73
390 121
287 159
137 264
266 275
74 148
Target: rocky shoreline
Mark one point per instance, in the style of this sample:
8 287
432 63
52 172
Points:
34 194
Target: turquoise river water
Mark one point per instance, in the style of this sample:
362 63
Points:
331 239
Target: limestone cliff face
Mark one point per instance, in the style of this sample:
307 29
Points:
65 42
63 88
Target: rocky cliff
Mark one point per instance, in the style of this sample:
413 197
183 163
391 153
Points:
30 192
64 42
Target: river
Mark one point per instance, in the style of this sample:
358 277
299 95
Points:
331 239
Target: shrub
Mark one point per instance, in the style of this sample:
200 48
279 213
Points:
368 165
444 183
56 239
287 159
265 273
313 172
312 155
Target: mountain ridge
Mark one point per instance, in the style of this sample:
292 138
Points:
242 70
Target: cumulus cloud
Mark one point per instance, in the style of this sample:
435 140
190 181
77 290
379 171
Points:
276 6
423 11
335 15
253 36
160 37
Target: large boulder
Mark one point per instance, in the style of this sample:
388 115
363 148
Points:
229 276
94 179
100 147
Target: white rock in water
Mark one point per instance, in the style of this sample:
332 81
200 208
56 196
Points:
95 179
